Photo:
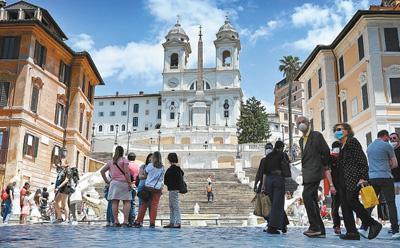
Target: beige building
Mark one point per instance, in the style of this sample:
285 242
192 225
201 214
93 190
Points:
281 106
356 79
46 96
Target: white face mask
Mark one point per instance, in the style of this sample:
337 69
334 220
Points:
303 127
394 144
267 151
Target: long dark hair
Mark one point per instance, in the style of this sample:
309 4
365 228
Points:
157 161
148 158
36 198
119 153
279 145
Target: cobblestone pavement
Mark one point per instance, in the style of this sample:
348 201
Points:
47 235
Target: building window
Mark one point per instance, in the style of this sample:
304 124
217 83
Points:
159 114
101 114
112 113
172 115
360 48
285 116
159 101
87 129
91 92
344 111
368 137
112 103
135 108
59 115
309 85
55 153
64 73
395 90
341 67
84 84
174 61
364 92
319 78
286 129
123 113
294 98
40 54
354 107
111 128
226 58
9 47
100 128
81 122
123 127
135 121
124 103
101 103
4 92
147 112
392 39
322 120
31 144
3 146
34 99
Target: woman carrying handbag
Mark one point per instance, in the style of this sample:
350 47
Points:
153 185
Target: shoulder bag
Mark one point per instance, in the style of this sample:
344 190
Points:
183 186
146 193
285 167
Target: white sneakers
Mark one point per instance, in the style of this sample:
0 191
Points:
396 235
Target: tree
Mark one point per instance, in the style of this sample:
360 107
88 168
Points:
253 122
290 67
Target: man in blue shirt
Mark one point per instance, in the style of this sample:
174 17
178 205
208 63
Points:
382 159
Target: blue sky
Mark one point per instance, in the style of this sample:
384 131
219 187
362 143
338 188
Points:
124 36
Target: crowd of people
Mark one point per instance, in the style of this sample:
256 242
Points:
125 180
347 169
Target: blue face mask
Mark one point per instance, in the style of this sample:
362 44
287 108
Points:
339 135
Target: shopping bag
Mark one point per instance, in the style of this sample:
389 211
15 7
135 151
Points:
368 197
262 205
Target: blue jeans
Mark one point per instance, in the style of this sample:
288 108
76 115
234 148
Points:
276 192
7 209
109 215
132 213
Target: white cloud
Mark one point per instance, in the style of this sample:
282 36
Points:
323 22
82 42
269 107
141 61
264 31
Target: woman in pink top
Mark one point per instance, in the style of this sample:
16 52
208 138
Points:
120 184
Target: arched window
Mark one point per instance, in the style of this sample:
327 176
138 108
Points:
100 128
112 128
123 128
174 61
226 58
193 86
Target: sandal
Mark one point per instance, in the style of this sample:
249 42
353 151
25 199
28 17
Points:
137 225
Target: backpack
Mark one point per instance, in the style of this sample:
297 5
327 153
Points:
4 195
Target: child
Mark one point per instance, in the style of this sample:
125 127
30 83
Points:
26 207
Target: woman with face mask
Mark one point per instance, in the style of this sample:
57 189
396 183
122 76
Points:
352 169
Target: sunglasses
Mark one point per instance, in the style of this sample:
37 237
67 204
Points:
393 138
338 129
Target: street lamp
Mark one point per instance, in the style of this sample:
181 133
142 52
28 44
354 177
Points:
205 145
116 134
127 146
237 135
159 139
283 133
179 115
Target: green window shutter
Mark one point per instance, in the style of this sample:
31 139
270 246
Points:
43 57
15 52
57 114
25 148
34 99
37 53
35 146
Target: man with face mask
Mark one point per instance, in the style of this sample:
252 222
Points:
395 142
382 159
315 161
259 176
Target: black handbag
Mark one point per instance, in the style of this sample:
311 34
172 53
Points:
183 187
285 167
144 194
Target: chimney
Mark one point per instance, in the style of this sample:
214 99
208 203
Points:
3 3
141 93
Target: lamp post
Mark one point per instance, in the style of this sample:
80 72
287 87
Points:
237 135
205 145
159 139
179 115
129 138
116 134
93 127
